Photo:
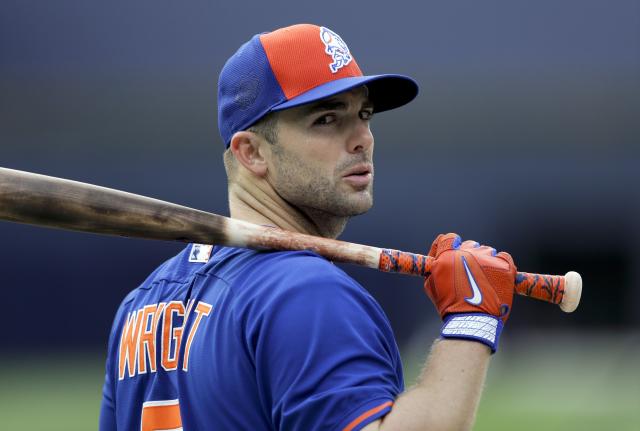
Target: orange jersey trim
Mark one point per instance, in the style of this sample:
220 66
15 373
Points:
357 421
162 416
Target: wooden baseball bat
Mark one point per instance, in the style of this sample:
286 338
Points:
55 202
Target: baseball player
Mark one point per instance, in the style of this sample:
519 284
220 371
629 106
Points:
221 338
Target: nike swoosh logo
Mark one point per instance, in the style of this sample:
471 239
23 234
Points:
476 299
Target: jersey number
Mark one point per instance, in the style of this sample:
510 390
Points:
161 416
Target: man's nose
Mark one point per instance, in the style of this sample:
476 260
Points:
361 138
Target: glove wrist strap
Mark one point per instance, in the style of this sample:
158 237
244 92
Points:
483 328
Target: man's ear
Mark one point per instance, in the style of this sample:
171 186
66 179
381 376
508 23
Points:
248 149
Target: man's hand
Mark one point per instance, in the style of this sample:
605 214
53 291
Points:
472 288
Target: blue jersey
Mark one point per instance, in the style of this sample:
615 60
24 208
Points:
248 340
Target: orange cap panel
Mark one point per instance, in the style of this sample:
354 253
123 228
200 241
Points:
299 60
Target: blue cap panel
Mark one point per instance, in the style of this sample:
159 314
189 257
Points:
247 89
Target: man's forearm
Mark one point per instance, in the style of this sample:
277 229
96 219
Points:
448 391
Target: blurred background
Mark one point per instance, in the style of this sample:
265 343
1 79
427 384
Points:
526 136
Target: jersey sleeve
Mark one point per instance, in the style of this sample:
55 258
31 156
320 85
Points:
325 354
107 420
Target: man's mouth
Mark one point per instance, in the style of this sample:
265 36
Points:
359 175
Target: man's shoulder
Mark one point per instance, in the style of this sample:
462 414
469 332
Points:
271 274
292 266
302 268
176 271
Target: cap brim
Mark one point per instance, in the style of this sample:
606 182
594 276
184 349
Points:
385 91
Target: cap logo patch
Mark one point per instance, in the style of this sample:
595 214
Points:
336 48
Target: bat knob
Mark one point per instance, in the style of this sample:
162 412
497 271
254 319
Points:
572 292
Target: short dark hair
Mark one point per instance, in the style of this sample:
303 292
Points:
267 127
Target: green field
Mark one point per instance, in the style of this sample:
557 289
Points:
569 383
589 388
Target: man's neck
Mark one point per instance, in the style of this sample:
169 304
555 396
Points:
255 201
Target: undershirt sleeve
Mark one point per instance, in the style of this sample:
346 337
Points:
325 354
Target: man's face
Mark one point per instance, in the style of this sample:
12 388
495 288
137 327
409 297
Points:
323 158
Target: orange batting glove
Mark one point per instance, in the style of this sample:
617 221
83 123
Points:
472 287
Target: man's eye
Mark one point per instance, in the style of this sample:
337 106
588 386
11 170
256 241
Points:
325 119
366 114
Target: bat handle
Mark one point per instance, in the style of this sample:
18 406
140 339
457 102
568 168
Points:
557 289
564 291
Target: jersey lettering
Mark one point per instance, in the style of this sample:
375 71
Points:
140 333
171 335
202 310
146 343
129 344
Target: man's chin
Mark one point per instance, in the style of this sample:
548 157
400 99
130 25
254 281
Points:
356 208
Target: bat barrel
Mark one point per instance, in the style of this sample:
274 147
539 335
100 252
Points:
41 200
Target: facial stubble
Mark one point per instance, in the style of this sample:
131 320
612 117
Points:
326 199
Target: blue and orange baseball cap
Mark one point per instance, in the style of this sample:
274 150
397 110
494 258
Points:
292 66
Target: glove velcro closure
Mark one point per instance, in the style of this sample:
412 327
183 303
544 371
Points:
483 328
